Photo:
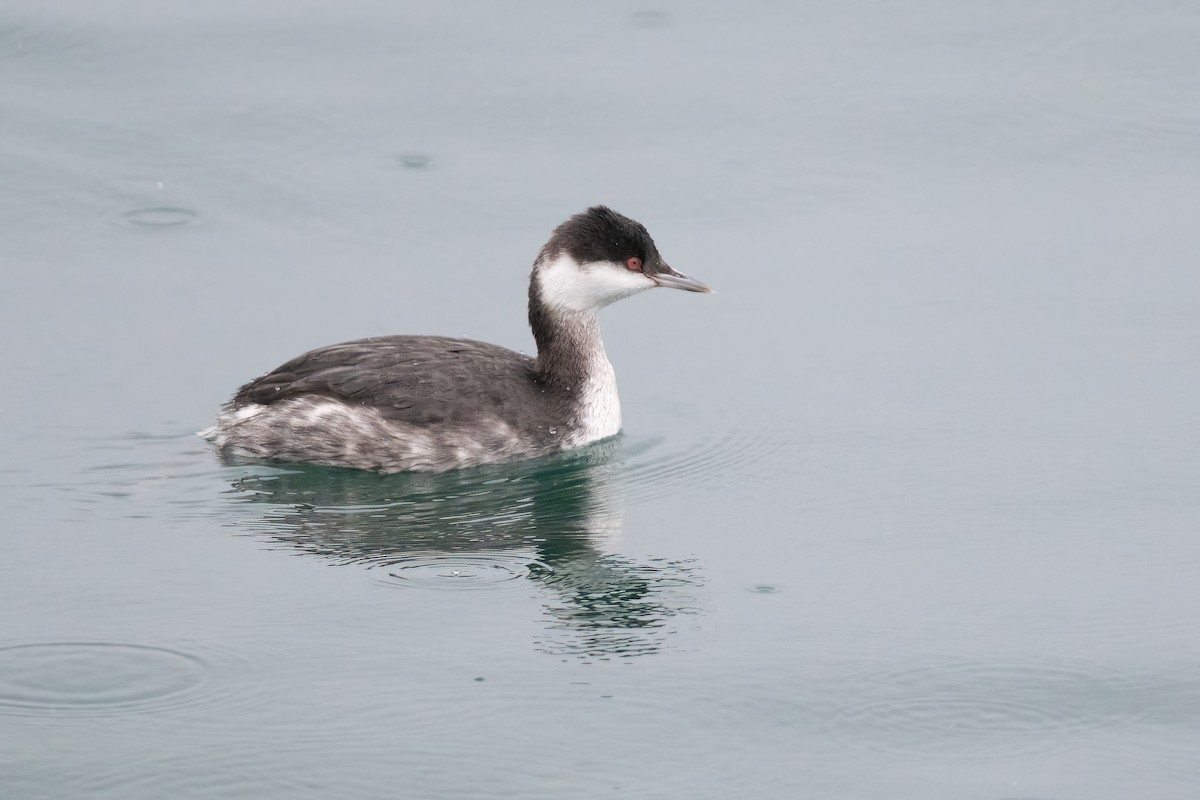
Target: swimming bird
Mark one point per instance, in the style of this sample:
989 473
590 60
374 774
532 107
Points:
432 403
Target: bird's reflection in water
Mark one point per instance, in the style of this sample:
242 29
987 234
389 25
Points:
554 522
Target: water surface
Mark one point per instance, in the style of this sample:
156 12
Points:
907 509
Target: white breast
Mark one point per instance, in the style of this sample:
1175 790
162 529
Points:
599 407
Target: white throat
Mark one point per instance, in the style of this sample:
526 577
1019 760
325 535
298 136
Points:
588 287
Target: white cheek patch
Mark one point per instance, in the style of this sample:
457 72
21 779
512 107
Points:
588 287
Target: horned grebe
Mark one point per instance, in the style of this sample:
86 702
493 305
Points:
430 403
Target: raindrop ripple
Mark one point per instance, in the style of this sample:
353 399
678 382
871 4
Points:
94 677
955 709
455 571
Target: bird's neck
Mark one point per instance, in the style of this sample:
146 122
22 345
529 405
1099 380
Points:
572 362
570 350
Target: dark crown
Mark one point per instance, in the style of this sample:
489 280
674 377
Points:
601 234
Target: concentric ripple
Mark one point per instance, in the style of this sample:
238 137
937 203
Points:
984 710
123 476
414 160
93 677
726 454
455 571
159 217
965 727
149 202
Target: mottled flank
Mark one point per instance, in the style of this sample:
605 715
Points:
429 403
332 433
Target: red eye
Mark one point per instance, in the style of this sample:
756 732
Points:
634 264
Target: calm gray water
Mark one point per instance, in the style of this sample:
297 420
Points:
909 509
